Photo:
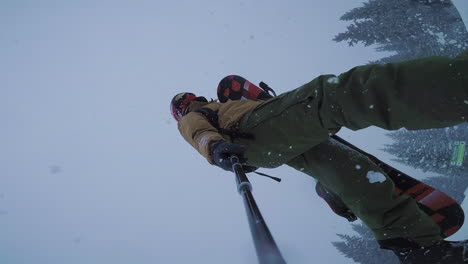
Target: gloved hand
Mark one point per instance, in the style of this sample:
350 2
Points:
221 152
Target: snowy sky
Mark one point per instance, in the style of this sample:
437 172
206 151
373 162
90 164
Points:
92 168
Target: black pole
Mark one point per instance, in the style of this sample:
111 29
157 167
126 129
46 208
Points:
265 246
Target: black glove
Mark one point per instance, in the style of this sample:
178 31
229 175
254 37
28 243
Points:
221 152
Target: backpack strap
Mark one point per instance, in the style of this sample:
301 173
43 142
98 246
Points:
212 117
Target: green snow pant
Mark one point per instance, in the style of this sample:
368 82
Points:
425 93
391 217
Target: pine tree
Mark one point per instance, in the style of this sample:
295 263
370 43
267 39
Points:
364 248
431 151
409 28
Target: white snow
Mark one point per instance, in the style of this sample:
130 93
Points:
358 167
333 80
441 38
375 177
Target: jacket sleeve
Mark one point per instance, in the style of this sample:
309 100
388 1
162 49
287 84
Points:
198 131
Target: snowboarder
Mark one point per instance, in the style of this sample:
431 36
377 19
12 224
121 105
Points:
294 129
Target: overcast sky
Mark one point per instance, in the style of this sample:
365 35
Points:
92 167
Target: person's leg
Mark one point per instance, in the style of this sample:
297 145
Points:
419 94
424 93
283 127
395 220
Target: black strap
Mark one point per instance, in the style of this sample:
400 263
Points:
269 176
212 117
267 89
335 202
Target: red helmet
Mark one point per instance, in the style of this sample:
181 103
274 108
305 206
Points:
179 104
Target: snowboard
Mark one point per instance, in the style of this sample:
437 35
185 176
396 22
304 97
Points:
442 209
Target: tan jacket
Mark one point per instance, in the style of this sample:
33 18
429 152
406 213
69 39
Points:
198 131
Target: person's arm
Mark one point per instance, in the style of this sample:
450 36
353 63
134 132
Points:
198 131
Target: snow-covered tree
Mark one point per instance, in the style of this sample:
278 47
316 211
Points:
408 28
363 248
431 151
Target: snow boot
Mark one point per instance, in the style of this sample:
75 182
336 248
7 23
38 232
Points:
443 252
